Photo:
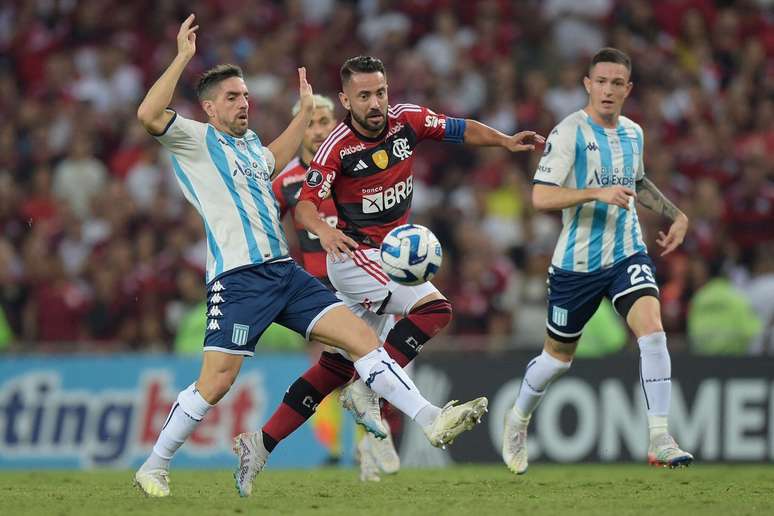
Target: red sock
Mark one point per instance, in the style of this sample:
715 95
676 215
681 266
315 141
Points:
329 373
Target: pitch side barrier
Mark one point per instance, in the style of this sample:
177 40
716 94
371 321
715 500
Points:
722 408
83 411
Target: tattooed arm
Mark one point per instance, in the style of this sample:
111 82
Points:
652 198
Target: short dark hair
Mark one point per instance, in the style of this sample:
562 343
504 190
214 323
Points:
360 64
611 55
214 76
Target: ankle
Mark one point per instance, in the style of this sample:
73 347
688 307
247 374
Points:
516 417
427 415
657 425
155 461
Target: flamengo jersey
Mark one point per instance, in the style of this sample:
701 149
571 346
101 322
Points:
287 188
370 179
581 154
228 180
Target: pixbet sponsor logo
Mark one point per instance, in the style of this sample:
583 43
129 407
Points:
41 420
346 151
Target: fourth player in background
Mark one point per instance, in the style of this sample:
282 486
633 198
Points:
592 169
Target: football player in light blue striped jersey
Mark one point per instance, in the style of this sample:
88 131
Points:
592 169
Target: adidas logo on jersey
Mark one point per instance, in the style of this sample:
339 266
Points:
361 165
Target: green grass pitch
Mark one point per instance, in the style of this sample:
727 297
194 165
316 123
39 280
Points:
466 490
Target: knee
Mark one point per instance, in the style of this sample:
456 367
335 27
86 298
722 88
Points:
438 312
562 351
214 386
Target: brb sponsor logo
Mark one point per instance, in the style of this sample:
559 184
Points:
42 421
389 197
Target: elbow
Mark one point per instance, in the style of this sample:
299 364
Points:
539 201
142 115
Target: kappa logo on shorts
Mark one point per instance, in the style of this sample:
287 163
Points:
215 311
216 298
559 316
239 334
213 325
217 287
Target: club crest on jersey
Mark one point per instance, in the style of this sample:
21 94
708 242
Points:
381 159
401 148
314 178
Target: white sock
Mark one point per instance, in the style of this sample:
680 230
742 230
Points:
427 415
541 371
387 379
656 379
186 413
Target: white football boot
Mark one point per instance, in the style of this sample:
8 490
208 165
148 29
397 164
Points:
152 482
663 451
515 442
455 419
384 453
252 455
363 403
369 470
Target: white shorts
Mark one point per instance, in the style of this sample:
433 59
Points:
362 285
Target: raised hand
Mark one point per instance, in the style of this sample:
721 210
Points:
305 92
676 235
186 38
523 141
616 195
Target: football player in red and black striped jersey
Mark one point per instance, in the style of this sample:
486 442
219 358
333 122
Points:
365 165
332 370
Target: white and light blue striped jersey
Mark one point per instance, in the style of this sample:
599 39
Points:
581 154
228 180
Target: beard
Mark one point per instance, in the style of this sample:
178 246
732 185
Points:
236 127
371 126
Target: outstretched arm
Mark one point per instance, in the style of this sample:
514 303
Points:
152 113
480 134
286 145
652 198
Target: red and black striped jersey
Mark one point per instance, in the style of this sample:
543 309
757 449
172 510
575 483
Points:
287 187
370 179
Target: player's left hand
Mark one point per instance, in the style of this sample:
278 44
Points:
676 235
523 141
305 92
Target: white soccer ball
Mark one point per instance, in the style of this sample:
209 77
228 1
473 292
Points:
411 254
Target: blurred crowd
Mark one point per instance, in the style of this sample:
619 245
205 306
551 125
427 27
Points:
98 246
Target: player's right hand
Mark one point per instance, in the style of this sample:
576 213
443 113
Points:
617 196
186 38
337 244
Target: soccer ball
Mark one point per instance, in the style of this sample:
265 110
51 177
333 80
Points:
411 254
